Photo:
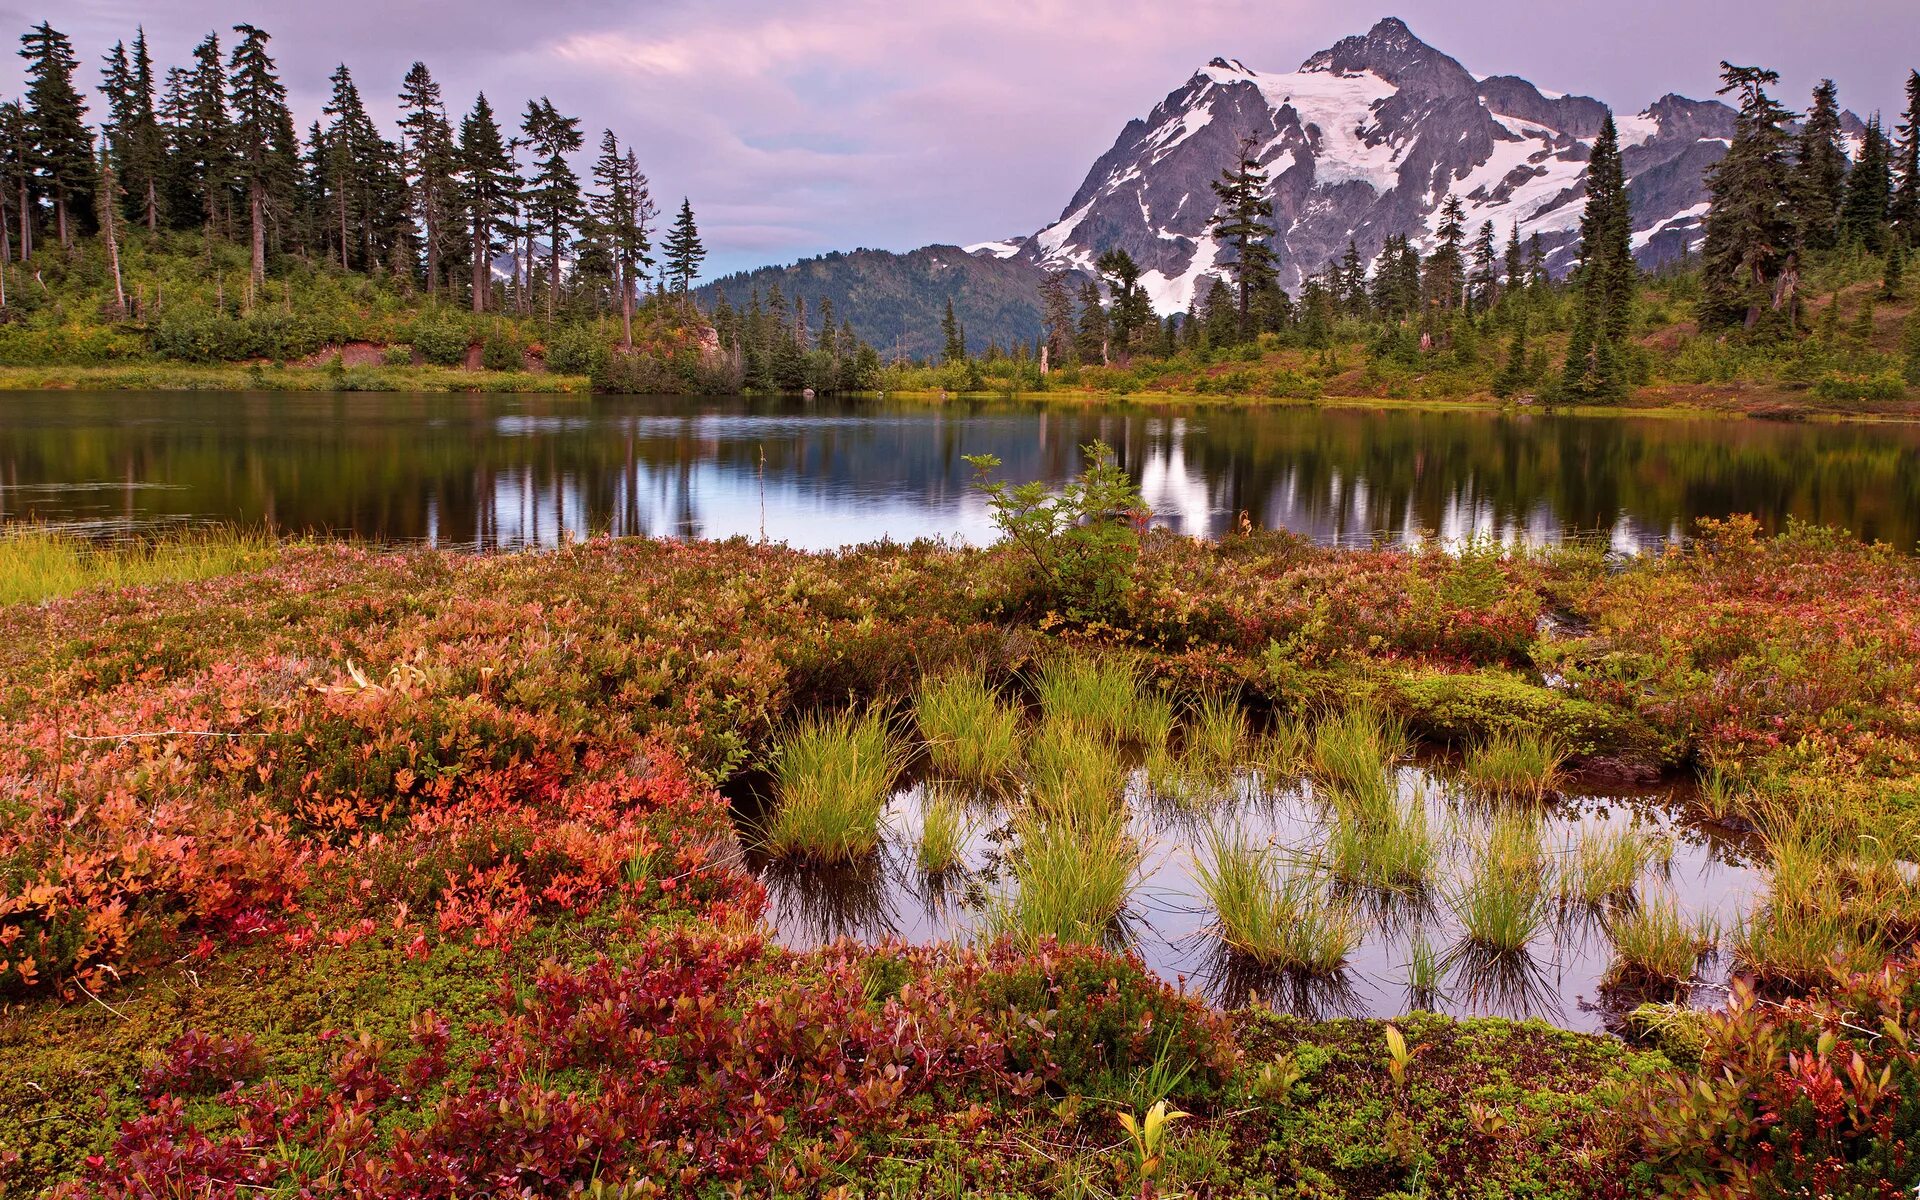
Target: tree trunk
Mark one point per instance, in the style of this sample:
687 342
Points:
482 269
256 205
113 258
26 222
626 307
428 218
343 230
553 270
153 208
60 218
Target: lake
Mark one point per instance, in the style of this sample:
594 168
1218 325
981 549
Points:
487 472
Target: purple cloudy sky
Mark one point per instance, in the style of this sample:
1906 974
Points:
800 126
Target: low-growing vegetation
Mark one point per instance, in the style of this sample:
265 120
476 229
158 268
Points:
349 870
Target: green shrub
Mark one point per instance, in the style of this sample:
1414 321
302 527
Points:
442 342
1887 385
575 351
500 351
1081 545
397 356
1472 706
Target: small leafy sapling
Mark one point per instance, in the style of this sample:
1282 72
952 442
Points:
1081 543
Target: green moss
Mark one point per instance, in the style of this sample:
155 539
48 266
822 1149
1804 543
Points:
1468 706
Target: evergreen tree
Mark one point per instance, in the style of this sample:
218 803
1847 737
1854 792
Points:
1893 277
622 208
488 186
1594 368
1486 278
204 137
1445 273
431 162
16 176
1910 346
1514 377
133 135
1820 171
1094 334
953 337
1056 318
1514 266
1906 200
356 159
1749 265
267 149
1241 222
684 250
553 196
1132 310
1863 215
62 147
1353 282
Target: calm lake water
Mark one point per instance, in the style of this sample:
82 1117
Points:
491 472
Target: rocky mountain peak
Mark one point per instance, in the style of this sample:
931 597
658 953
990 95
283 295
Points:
1391 51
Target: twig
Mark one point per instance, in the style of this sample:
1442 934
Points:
102 1003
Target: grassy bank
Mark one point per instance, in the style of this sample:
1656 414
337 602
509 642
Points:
38 565
406 873
184 377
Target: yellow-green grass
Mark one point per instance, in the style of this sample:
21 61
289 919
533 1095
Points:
1604 864
1285 749
1388 848
230 377
1070 882
1103 695
1654 943
1355 752
1514 763
944 827
832 778
39 564
971 735
1073 774
1215 735
1501 905
1282 920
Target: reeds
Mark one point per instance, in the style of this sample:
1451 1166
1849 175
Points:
1285 749
972 737
832 778
1216 735
1281 920
40 564
1387 848
1502 907
1654 943
1518 763
1073 775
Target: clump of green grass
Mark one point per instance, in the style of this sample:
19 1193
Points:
1604 864
1216 735
1511 847
1355 752
1388 849
1653 943
1502 906
1515 763
1070 882
832 777
972 736
1282 921
1285 749
1103 696
40 564
1423 971
944 826
1073 775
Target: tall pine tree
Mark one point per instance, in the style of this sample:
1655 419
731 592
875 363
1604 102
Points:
1820 171
488 187
267 148
1906 199
1863 215
62 146
684 250
430 163
1241 222
553 196
1749 265
1594 369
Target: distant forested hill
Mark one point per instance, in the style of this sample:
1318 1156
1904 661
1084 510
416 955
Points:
896 301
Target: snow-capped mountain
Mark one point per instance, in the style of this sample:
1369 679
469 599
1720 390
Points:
1363 142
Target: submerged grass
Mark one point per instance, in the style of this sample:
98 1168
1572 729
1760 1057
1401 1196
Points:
1281 920
1502 906
1390 849
1515 763
1073 775
1216 735
832 778
39 564
1605 864
971 735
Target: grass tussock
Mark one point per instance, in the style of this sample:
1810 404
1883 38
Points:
1285 749
1074 775
1071 882
1216 735
832 778
1282 920
1103 696
944 829
972 736
1385 848
38 564
1501 906
1655 944
1519 764
1605 864
1355 752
